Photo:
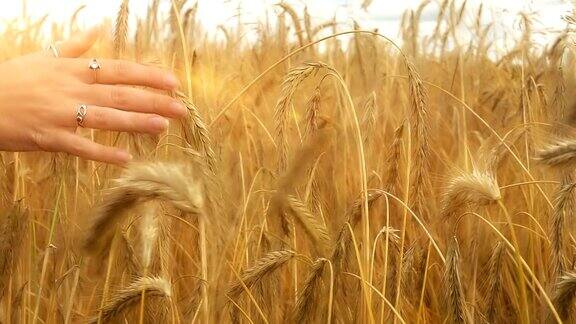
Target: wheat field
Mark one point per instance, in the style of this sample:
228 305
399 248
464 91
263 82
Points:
323 175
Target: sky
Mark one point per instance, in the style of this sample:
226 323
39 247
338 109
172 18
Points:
382 14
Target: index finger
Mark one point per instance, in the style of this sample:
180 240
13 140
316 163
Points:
122 72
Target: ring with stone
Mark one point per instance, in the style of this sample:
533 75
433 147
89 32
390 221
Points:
94 65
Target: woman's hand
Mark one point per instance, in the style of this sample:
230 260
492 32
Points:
40 95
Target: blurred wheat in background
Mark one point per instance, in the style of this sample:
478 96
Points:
316 179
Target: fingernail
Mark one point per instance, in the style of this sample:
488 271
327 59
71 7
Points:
178 108
124 157
159 123
172 81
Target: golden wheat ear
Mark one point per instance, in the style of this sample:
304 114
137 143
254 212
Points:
289 85
121 29
420 128
560 154
475 188
312 224
124 300
139 183
392 179
310 294
13 227
195 131
343 241
564 294
564 204
455 305
494 282
262 268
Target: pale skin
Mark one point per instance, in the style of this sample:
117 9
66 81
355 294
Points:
39 96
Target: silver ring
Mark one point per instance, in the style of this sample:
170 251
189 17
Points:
81 112
94 65
54 49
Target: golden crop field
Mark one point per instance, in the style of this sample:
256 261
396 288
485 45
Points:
322 175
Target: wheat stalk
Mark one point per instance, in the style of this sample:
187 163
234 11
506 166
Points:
289 85
74 17
366 4
453 292
313 226
392 234
141 182
304 157
419 125
492 152
12 229
560 112
128 255
309 295
149 234
408 271
126 299
353 217
262 268
295 20
369 118
190 19
175 14
564 201
494 282
196 132
564 294
561 154
476 188
308 25
152 19
121 29
17 304
392 174
321 27
312 111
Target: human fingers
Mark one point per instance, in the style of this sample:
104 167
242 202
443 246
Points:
133 99
106 118
77 145
122 72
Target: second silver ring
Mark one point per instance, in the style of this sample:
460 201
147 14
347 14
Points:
81 113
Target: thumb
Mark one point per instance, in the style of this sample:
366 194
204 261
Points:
79 43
